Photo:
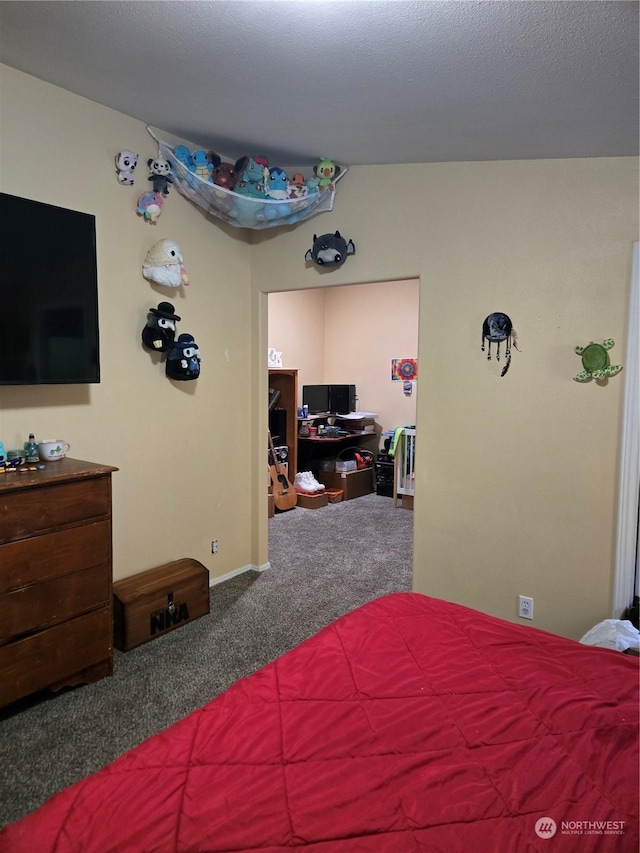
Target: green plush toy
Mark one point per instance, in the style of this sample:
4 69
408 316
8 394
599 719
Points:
595 361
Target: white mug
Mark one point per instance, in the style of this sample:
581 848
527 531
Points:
53 448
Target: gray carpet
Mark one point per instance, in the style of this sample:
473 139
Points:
324 563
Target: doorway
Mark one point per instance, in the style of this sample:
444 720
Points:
348 334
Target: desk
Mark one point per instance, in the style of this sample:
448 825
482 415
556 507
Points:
310 448
338 439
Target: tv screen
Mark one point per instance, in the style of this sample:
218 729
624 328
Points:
48 294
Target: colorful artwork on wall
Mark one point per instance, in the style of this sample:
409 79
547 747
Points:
404 369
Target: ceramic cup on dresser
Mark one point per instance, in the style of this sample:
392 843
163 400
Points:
52 449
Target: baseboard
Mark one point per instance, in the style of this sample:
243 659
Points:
229 575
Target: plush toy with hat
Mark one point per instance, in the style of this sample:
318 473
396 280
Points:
164 264
160 331
183 361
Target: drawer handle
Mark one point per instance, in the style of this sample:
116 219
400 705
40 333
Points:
170 605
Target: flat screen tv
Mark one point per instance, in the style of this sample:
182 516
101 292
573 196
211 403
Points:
48 294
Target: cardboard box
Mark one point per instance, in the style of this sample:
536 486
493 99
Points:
354 484
313 501
160 600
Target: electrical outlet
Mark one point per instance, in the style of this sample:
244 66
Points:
214 546
525 607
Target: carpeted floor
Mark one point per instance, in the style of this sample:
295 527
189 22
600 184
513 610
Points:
324 563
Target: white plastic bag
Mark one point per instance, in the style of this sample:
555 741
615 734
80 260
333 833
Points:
619 634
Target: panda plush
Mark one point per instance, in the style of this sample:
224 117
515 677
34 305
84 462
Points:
160 176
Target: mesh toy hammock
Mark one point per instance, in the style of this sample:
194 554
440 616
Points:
240 210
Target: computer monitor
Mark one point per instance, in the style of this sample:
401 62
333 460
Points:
316 397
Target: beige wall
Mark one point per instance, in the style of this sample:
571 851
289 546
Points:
349 335
516 476
516 483
185 477
297 330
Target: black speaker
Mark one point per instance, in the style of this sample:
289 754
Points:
278 426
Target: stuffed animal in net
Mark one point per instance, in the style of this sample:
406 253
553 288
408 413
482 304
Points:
126 162
202 168
277 189
223 174
595 361
330 250
160 330
251 177
160 176
164 264
183 156
326 170
297 187
251 185
183 361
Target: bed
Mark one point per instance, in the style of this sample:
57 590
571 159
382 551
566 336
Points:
410 724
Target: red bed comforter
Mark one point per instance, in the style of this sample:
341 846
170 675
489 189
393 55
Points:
408 725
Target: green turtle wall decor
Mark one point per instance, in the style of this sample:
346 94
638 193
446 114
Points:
595 361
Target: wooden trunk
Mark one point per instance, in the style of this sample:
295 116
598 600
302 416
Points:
155 602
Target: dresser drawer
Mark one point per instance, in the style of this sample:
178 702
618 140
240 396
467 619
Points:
37 510
42 605
52 555
54 655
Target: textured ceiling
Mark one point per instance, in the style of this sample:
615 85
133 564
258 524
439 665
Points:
362 82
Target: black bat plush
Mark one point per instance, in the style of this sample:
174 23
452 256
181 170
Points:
330 250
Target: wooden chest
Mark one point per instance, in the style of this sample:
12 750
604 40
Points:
155 602
55 578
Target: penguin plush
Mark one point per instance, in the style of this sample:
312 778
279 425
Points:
183 361
160 331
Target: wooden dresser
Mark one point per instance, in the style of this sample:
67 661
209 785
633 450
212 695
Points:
56 626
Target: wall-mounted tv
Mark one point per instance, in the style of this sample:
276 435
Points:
332 399
48 294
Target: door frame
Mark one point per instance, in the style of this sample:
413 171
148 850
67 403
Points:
626 566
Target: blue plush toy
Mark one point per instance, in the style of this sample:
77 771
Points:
251 180
183 155
247 211
277 190
201 165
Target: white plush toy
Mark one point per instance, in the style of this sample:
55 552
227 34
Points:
164 264
126 162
